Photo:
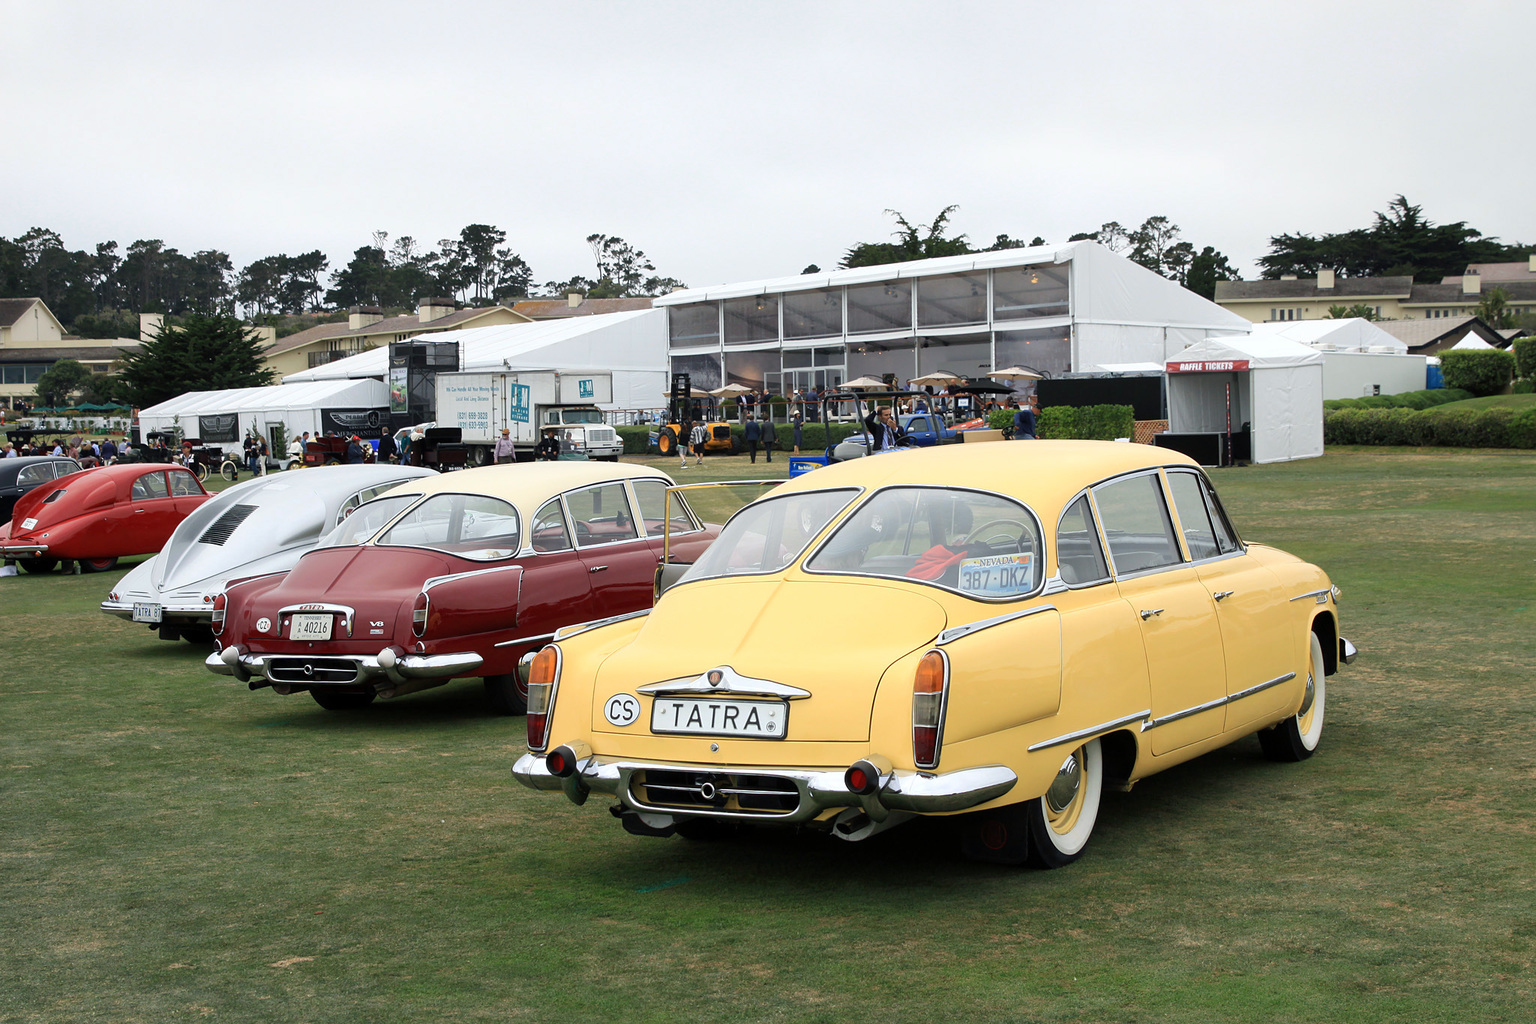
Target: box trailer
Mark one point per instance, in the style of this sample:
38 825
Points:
524 402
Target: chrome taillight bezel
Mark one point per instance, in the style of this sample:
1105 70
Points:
541 702
932 705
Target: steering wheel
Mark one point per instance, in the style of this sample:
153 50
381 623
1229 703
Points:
582 530
985 528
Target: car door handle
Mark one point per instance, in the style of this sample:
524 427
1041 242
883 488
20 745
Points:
597 568
1147 613
1222 595
139 511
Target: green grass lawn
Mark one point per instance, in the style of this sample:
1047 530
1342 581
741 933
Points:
175 846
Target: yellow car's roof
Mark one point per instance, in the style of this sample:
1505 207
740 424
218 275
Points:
1045 474
527 483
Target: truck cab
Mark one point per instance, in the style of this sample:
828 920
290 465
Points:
582 430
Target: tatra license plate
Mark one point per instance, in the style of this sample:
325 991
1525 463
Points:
311 627
694 716
145 612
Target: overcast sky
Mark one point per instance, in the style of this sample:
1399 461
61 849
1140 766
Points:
733 141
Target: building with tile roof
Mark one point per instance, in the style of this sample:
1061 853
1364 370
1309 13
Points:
1391 298
577 304
368 328
32 339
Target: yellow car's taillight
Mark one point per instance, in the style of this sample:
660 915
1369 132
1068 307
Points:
930 688
543 677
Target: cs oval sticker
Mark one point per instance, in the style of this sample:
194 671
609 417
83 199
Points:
622 709
263 624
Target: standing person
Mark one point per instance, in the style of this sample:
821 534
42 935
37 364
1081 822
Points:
684 441
697 438
108 450
387 447
506 451
548 448
753 434
1024 421
355 456
296 447
799 422
252 454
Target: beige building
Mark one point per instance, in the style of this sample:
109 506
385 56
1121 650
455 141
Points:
577 304
32 340
368 328
1392 298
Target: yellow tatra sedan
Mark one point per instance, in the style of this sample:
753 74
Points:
994 632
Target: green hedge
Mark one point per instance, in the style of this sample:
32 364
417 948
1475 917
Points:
1497 427
1406 400
1089 422
1525 357
1480 371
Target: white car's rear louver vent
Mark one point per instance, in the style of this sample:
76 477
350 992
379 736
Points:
225 525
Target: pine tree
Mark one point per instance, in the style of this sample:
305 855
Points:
202 353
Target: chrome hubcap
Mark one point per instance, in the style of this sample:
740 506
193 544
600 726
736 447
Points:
1063 791
1308 697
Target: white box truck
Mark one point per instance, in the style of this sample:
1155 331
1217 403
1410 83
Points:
525 402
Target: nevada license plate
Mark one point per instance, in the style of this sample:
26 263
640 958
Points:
145 612
311 627
695 716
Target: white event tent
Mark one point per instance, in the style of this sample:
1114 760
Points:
1359 358
633 345
222 417
1270 386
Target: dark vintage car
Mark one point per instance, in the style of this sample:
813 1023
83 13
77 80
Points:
453 576
96 516
21 474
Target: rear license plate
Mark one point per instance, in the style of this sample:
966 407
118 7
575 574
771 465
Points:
145 612
311 627
695 716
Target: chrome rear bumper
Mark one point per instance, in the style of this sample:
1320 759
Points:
392 667
818 791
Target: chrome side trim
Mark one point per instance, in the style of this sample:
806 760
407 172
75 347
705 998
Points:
1240 694
1083 734
1321 595
566 632
956 632
542 638
730 683
450 577
1211 705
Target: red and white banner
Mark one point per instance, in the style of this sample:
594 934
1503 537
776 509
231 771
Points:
1210 366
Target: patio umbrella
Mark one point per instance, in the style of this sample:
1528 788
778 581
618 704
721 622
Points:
938 378
730 389
1016 373
866 382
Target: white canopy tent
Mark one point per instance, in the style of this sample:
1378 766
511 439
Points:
1352 334
223 417
1271 386
632 345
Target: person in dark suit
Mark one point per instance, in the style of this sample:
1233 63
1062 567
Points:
885 433
753 433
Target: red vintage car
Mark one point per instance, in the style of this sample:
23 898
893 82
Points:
97 516
454 576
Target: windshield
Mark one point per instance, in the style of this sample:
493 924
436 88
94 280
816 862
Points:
366 520
983 545
582 416
469 525
770 534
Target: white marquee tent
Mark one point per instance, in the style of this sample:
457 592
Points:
222 417
1352 334
1272 386
632 345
